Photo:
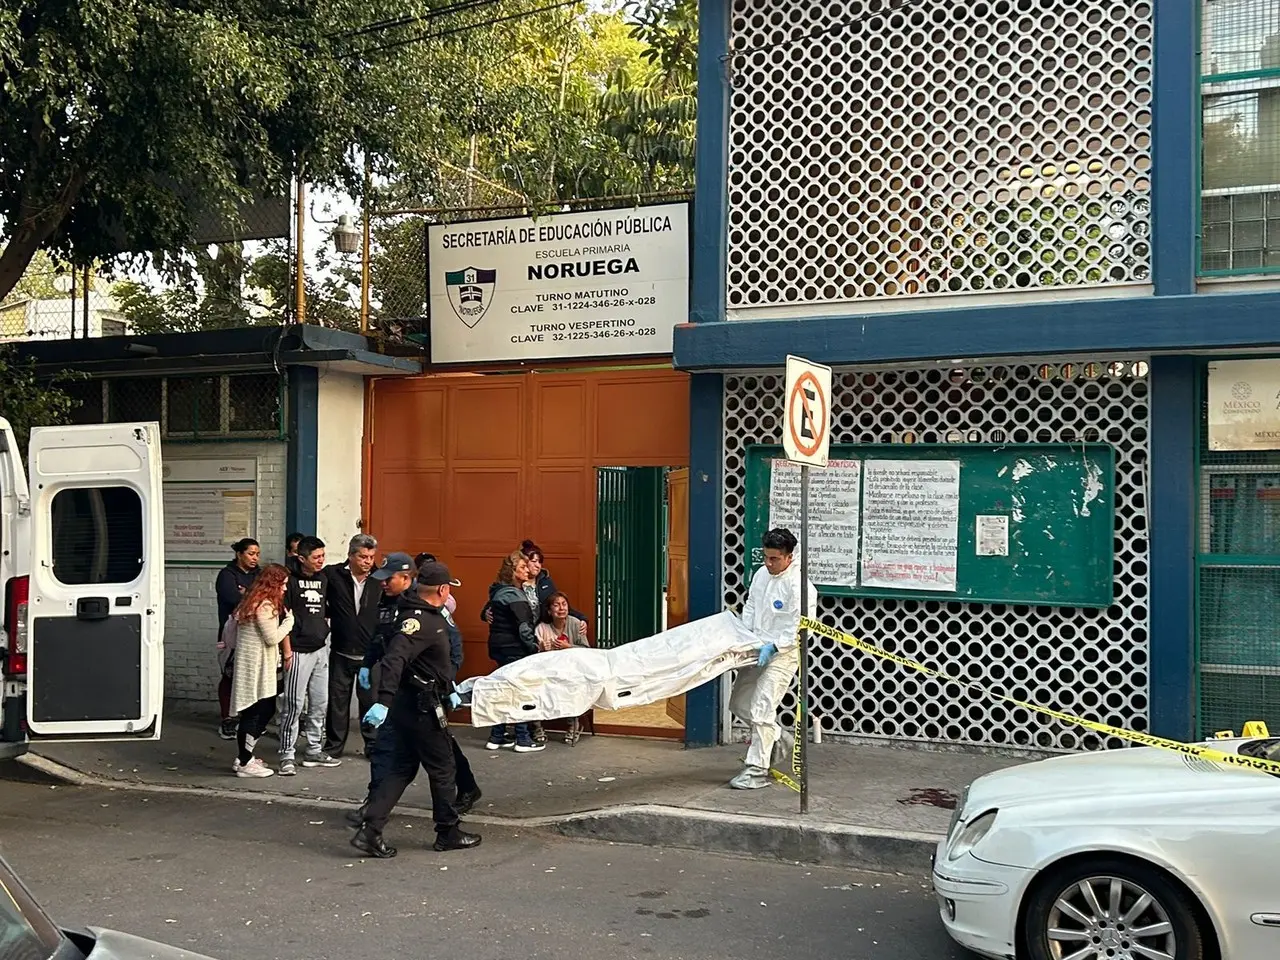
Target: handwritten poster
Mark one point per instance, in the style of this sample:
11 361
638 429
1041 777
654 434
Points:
834 495
910 524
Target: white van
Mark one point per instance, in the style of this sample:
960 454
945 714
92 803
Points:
82 569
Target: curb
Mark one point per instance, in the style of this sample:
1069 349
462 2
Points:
814 841
652 825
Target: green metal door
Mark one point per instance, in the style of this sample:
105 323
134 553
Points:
1238 588
629 567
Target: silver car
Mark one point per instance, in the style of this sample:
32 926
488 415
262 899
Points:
27 933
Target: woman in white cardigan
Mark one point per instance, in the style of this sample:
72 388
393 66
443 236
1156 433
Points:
262 643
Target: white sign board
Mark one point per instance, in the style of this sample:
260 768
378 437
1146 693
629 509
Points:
604 283
208 505
806 436
910 524
1244 405
834 506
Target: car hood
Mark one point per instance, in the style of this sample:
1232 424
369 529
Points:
1114 775
113 945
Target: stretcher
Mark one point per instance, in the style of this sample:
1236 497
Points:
568 683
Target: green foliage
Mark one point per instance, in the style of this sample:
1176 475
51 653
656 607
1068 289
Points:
27 402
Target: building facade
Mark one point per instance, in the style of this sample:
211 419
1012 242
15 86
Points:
1005 223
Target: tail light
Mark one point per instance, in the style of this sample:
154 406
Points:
15 622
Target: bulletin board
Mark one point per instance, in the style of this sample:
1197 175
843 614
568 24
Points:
1028 523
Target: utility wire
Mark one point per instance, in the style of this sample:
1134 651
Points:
451 31
891 7
460 6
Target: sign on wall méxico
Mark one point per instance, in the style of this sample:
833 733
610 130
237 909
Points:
602 283
1244 405
208 505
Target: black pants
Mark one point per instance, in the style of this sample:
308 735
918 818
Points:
416 739
337 721
251 725
382 756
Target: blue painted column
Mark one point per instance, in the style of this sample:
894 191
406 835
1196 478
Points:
1175 133
706 390
1171 518
304 439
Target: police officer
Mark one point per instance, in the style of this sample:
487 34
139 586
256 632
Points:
415 688
397 575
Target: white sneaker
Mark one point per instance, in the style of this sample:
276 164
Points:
254 768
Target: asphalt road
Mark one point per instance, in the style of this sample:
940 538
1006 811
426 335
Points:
249 880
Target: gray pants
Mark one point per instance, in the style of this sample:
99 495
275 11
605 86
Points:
306 687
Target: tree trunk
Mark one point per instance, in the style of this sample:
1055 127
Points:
36 224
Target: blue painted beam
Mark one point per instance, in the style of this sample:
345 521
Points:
711 199
706 469
1170 324
301 512
1175 134
1171 518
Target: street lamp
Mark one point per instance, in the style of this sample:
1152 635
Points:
346 236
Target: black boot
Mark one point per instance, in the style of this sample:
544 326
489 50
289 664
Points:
468 800
356 817
367 840
455 839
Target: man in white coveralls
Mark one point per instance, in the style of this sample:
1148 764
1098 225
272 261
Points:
772 613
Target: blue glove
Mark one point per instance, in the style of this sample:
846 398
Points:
375 715
767 653
455 701
362 678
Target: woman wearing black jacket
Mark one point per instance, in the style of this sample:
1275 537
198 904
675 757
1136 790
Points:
233 580
513 626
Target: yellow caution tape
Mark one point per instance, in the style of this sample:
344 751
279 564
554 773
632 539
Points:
1252 729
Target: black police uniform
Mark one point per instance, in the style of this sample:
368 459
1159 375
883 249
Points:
415 680
381 750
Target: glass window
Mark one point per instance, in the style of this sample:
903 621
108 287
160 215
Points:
253 403
194 406
26 933
133 400
1240 135
97 535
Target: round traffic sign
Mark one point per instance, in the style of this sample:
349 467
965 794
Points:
808 416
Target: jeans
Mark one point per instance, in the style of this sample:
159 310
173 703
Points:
342 677
253 722
306 684
523 734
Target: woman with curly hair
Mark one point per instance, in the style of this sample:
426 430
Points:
263 623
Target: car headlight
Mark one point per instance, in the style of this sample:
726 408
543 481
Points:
957 813
972 834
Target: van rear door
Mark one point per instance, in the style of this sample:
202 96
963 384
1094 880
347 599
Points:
95 648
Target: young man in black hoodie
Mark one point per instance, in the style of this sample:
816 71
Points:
306 682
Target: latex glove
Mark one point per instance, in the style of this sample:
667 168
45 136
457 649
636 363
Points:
375 715
767 653
362 678
455 701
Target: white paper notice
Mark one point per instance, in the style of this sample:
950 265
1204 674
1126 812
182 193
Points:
991 537
834 492
910 524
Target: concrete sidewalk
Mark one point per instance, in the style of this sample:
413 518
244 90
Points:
870 806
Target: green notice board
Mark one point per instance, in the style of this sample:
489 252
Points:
1057 502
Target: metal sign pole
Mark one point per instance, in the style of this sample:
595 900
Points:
802 707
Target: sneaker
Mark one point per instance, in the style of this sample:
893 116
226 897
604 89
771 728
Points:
228 728
320 760
254 768
530 747
494 744
288 768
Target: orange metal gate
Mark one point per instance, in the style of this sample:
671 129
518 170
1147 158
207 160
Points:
468 465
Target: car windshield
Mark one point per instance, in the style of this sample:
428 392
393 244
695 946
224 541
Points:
26 933
1262 749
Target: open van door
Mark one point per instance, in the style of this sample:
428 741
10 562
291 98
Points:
95 650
